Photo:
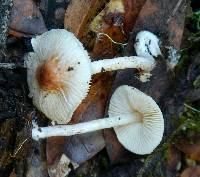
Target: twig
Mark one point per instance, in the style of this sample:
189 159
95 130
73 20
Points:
14 155
190 107
175 10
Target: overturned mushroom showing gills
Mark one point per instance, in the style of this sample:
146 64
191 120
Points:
59 72
135 117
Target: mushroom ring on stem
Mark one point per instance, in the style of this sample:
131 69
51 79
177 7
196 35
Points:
59 72
135 117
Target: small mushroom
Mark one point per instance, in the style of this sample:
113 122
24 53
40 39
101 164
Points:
59 72
147 45
135 117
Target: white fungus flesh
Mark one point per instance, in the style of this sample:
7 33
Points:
143 136
58 74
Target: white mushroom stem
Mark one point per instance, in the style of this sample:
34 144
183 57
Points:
69 130
145 64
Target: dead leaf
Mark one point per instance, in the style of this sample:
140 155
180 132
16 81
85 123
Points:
190 146
78 15
173 160
114 22
97 88
111 15
191 172
132 9
104 47
62 169
54 149
26 19
13 174
118 155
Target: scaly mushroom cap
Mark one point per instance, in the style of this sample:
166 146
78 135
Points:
144 135
58 74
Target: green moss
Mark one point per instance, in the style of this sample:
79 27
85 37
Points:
190 119
80 175
196 19
183 62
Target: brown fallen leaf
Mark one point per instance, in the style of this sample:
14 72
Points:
118 155
114 23
191 172
132 9
78 17
111 15
173 160
54 149
62 168
26 19
13 174
104 47
190 146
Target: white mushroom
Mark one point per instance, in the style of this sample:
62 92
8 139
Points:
136 118
59 72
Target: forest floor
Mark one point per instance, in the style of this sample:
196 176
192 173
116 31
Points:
174 85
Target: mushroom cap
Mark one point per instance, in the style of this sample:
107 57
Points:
147 44
145 133
58 74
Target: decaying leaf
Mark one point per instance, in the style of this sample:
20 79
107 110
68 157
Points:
6 132
112 26
13 174
132 9
173 160
62 169
118 155
54 150
111 15
190 146
191 172
78 17
26 19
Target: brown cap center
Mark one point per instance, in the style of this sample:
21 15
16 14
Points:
49 75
